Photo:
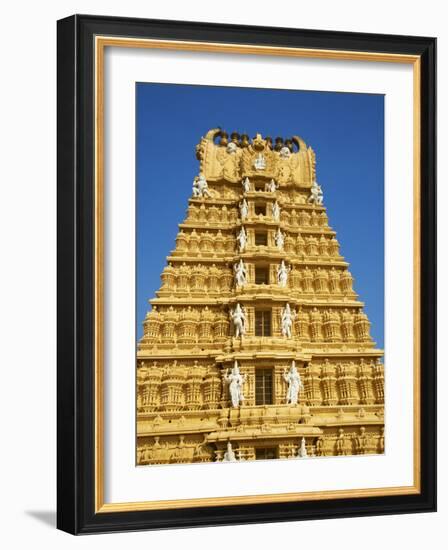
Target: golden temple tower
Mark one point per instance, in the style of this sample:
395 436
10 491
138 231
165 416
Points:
256 346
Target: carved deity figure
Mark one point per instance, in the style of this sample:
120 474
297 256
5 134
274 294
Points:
302 453
231 148
340 442
285 153
279 239
292 378
316 194
246 185
200 187
229 455
284 167
228 158
288 317
244 209
260 162
240 273
236 381
238 318
320 447
282 274
361 441
276 211
242 239
270 187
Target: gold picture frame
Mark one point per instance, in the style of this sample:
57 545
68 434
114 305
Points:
102 33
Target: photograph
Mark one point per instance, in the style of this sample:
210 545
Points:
259 274
225 218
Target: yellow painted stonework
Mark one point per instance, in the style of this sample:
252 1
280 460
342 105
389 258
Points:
184 410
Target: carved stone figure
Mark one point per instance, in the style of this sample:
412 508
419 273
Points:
242 239
287 319
361 441
227 162
195 189
302 453
282 274
279 239
238 318
276 211
231 148
316 194
260 162
246 185
240 273
229 455
244 209
343 444
200 187
320 447
236 381
292 378
285 153
270 187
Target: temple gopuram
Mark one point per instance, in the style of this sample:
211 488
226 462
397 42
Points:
256 345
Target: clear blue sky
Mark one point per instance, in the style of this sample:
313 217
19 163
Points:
345 130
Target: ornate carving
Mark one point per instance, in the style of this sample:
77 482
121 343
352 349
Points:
316 195
240 158
238 317
235 381
292 378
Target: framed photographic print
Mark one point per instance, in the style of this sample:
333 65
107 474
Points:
246 274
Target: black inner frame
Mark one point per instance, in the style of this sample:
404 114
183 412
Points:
75 406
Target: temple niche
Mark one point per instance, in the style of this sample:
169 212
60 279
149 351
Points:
256 346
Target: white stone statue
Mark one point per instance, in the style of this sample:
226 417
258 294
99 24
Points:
316 196
246 185
236 381
244 209
279 239
200 187
276 211
270 187
301 453
282 274
242 239
292 378
288 317
195 189
240 273
238 318
260 162
231 148
285 153
229 455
